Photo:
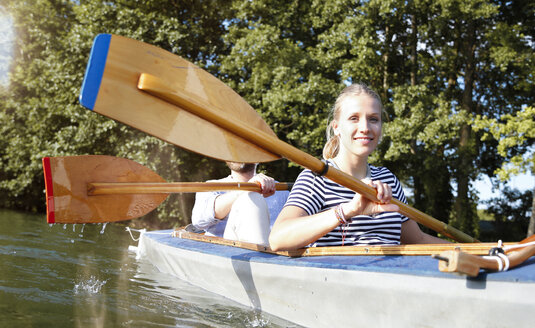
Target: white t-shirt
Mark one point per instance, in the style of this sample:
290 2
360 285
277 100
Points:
203 214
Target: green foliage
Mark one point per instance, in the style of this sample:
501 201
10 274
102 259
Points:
438 65
40 114
515 134
511 214
274 65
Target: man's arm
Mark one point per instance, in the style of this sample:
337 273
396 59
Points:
203 215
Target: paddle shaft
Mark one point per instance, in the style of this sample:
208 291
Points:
112 188
158 88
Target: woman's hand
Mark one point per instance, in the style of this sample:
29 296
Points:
360 205
267 184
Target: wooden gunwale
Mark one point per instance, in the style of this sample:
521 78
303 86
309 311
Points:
411 250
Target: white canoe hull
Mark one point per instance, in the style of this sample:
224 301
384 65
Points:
332 291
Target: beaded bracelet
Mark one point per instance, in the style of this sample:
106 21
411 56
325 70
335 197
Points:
339 212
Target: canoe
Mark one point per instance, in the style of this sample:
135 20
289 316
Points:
347 291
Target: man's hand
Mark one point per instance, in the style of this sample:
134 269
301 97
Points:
267 184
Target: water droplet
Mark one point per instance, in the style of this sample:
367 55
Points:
91 285
103 227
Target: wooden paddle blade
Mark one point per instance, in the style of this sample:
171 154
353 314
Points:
111 80
66 180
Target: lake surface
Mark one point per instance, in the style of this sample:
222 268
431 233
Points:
85 276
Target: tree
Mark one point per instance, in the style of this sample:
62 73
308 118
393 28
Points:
511 215
275 66
435 63
515 135
468 63
40 112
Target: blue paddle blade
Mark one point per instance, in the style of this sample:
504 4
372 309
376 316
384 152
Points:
95 70
110 88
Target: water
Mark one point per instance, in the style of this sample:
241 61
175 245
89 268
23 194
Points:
84 276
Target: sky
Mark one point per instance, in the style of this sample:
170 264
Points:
522 182
6 42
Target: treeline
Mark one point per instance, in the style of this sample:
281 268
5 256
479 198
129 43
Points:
456 78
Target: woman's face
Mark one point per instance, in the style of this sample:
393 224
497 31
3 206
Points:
359 125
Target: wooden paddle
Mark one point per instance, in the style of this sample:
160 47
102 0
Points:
97 188
110 89
183 96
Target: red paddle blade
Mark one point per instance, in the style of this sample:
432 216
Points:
66 180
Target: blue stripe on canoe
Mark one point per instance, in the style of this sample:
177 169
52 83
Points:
95 70
412 265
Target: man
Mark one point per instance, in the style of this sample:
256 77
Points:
240 215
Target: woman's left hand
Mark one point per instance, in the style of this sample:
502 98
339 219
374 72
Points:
384 191
360 205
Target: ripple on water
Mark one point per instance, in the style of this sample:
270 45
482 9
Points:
65 276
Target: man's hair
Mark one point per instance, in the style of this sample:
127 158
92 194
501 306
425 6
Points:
241 167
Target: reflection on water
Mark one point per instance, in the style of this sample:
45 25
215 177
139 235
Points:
84 276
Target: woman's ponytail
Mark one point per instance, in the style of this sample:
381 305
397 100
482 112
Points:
330 150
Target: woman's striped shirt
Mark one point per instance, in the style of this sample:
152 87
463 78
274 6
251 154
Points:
315 194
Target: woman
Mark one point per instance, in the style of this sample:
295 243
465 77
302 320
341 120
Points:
320 212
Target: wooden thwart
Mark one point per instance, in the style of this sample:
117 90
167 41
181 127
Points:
461 258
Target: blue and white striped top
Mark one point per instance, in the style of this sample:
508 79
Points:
315 194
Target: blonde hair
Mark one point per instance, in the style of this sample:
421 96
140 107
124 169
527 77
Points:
330 150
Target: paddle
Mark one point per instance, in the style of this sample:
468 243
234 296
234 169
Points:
182 95
109 88
97 188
